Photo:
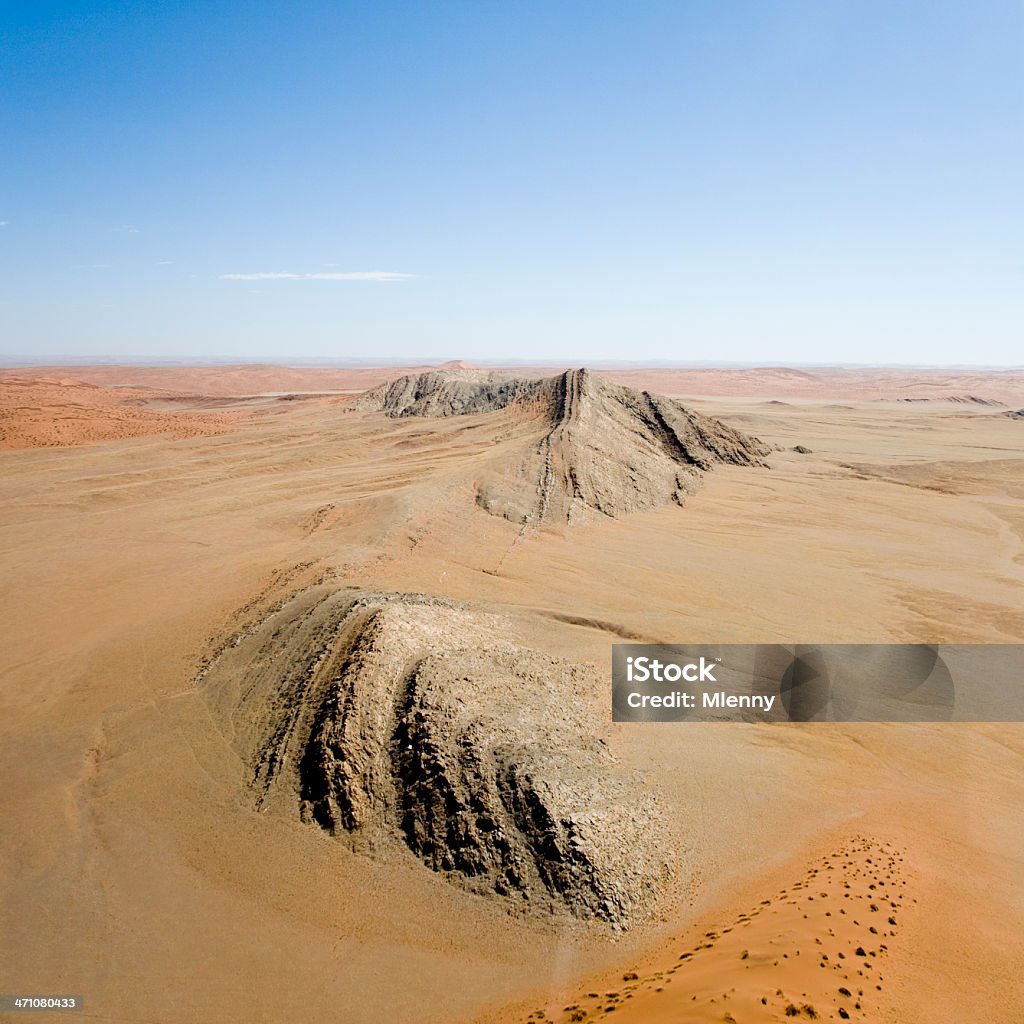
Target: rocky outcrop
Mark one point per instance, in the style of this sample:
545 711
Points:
617 450
446 393
958 400
420 721
519 793
597 447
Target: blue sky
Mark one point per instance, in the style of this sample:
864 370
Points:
752 181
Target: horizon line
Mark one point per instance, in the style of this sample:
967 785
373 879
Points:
340 362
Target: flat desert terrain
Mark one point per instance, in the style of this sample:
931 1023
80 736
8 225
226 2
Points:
225 798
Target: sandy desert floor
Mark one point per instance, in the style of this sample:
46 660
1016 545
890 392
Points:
864 872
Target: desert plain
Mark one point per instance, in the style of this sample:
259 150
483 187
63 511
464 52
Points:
192 558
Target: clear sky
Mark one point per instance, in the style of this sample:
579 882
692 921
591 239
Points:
707 180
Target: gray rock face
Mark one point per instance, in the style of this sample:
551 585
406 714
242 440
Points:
447 393
521 795
617 450
417 721
597 447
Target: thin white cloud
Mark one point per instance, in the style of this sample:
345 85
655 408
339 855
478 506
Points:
353 275
127 229
164 263
4 223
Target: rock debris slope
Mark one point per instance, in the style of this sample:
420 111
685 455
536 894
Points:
407 718
597 447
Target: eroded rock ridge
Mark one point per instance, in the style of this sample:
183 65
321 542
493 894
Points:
419 720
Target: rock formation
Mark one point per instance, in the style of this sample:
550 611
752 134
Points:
447 393
413 719
596 447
